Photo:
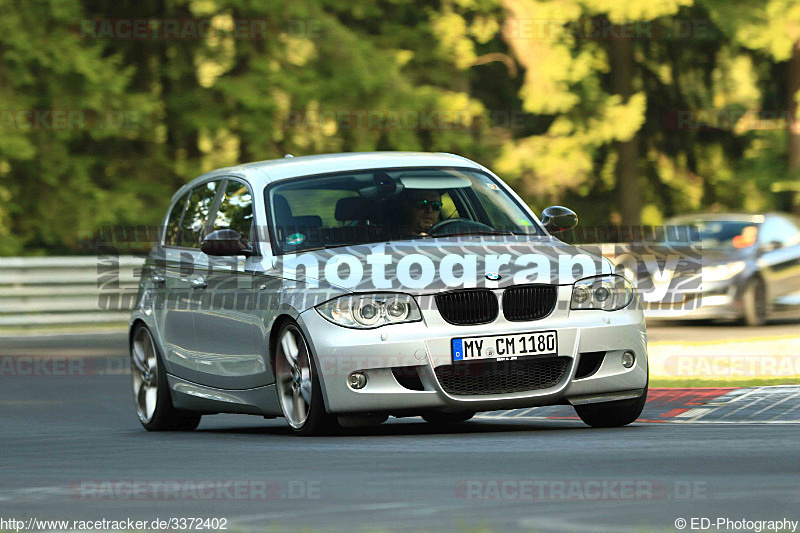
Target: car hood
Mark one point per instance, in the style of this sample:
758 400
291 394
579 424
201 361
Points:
715 256
681 258
424 266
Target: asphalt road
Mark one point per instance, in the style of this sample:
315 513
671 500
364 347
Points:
71 448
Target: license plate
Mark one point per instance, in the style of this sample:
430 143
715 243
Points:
505 346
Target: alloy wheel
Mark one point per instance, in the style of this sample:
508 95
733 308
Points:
293 376
144 371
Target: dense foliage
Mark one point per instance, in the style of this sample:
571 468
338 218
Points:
628 111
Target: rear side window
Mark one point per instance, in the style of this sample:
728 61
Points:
310 203
172 232
193 225
236 209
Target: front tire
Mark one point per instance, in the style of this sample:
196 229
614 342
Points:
298 385
150 388
612 414
755 303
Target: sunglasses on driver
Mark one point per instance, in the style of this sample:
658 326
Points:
435 205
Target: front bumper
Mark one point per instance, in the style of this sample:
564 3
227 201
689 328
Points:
426 345
716 303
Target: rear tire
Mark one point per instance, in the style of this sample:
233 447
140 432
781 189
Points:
447 418
755 303
150 388
612 414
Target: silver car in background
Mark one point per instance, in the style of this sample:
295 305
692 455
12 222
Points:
746 268
342 289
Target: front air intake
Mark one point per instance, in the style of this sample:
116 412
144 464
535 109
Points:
502 377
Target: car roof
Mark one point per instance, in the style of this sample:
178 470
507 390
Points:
264 172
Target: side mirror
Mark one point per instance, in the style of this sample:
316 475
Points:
770 246
556 219
225 242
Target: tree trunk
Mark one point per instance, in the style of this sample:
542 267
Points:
621 62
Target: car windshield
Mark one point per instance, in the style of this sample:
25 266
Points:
722 233
391 204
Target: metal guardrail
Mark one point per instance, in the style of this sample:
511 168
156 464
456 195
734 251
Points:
63 291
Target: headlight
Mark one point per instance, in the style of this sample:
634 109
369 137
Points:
721 272
365 311
607 293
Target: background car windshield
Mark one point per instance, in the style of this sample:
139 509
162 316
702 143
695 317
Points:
377 205
723 233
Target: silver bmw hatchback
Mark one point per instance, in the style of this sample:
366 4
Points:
338 290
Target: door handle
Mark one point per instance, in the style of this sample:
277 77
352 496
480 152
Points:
199 283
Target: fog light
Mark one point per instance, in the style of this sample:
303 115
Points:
628 359
357 380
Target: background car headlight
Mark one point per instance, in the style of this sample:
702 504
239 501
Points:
366 311
607 293
721 272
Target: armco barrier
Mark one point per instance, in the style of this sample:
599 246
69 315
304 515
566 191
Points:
50 291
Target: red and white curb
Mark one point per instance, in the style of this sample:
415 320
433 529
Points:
713 405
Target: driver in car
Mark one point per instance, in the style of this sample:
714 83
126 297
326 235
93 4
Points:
422 209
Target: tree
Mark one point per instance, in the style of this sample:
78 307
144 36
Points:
64 100
771 28
568 49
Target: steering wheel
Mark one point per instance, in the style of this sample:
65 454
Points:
464 223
